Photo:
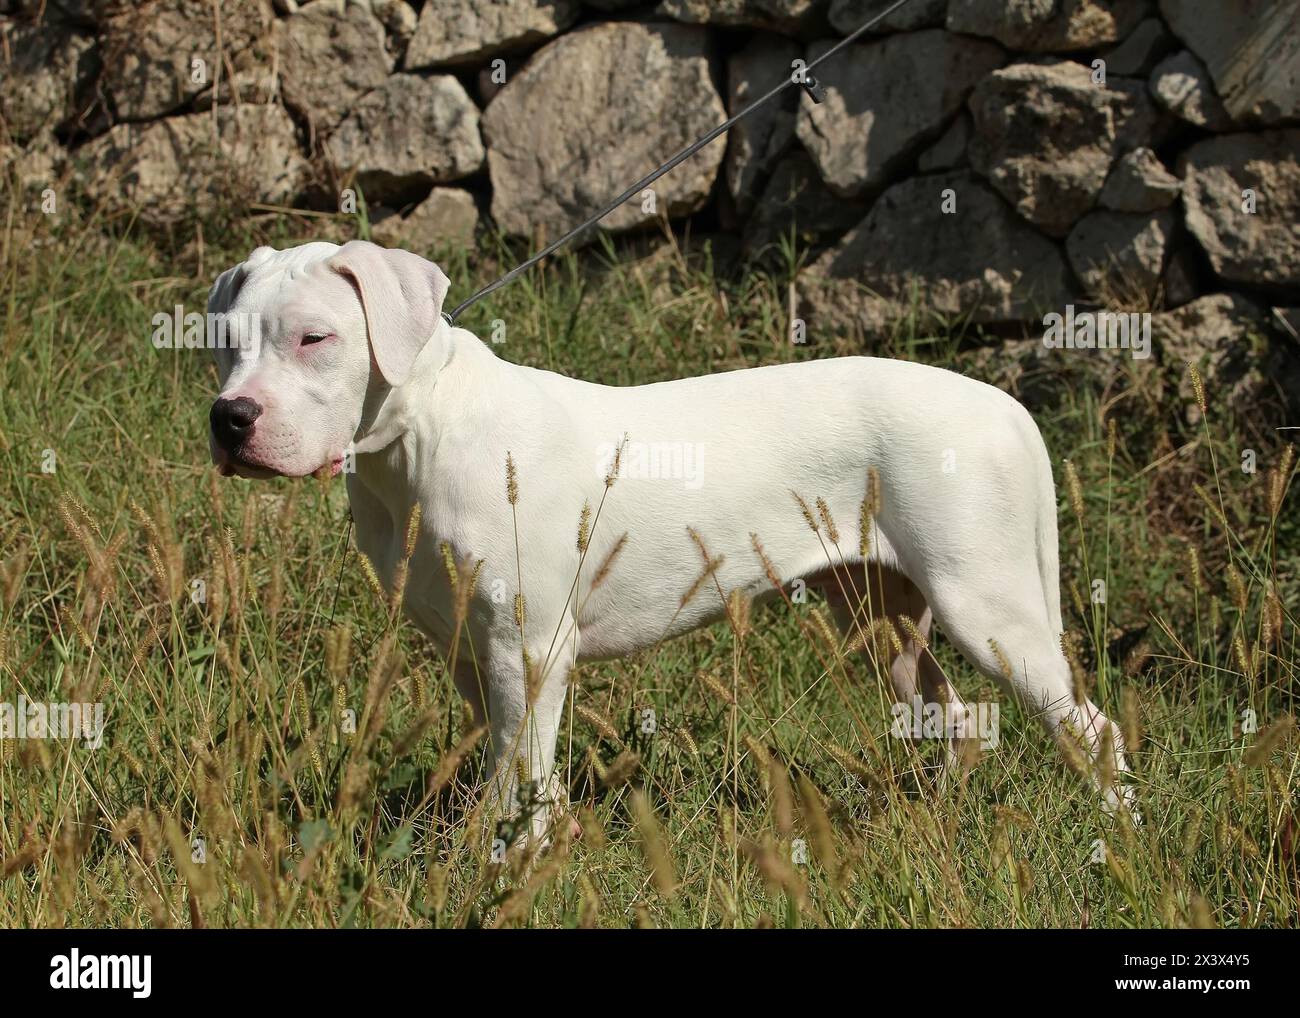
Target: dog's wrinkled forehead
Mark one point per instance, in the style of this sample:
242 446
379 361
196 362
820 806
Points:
265 269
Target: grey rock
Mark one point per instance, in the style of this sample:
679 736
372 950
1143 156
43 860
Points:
1260 248
1119 256
1045 136
178 167
462 32
1182 85
1046 26
796 205
884 100
981 261
1141 49
1179 282
757 142
566 135
949 151
1139 183
1139 121
1251 49
1193 332
330 56
408 134
1247 369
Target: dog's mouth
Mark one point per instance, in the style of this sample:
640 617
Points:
233 466
230 465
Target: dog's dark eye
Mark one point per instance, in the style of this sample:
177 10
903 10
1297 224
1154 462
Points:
314 337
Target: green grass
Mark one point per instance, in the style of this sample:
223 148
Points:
223 719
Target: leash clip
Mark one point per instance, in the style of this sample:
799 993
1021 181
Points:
813 87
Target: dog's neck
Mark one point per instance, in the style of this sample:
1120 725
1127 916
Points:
401 425
390 411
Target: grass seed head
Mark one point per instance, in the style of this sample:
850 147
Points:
599 722
1073 489
1194 567
616 464
1278 480
602 572
1266 741
1004 665
1198 385
1237 588
412 530
655 848
584 528
824 513
512 481
819 827
714 685
913 631
875 493
806 511
782 796
620 769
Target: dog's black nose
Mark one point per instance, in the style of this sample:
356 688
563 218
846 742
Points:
232 421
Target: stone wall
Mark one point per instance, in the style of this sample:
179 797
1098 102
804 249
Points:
993 159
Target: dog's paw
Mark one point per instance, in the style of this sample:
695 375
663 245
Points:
1120 800
559 816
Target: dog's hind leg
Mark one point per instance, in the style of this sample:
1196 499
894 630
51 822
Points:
858 602
977 534
1003 629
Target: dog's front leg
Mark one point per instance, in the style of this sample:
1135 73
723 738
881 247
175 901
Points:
525 703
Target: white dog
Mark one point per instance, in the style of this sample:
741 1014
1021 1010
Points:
354 355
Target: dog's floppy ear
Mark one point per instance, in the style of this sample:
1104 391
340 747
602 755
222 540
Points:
401 297
226 288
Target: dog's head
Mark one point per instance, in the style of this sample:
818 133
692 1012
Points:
311 336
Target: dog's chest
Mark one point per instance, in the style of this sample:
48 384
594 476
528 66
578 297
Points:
428 600
426 592
426 596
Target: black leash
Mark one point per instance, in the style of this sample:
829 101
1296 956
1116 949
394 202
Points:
805 80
